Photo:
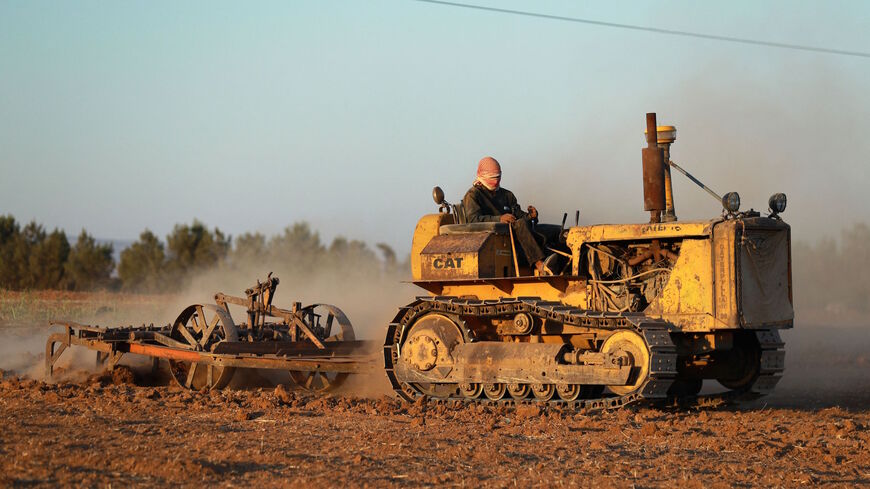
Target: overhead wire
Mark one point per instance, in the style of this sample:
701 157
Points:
656 30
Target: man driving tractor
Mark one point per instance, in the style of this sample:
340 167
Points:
487 201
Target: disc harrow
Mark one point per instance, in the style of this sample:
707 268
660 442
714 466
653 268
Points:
204 346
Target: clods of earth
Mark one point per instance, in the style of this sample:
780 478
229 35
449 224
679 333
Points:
111 430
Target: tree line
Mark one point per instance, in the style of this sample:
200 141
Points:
32 258
828 275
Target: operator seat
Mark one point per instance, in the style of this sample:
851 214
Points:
462 225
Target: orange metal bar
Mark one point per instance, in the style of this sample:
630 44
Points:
165 352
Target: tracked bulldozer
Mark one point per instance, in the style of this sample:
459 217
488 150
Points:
630 312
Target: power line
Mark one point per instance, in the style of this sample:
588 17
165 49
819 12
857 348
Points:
656 30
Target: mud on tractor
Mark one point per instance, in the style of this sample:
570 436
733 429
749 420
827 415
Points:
630 312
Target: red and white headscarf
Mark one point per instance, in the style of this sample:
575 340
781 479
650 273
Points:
489 173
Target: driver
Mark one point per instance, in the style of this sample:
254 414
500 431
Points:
486 201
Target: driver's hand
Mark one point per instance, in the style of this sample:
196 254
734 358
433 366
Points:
533 213
507 218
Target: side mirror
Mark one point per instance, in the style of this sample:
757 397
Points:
438 195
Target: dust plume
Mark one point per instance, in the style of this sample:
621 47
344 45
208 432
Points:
23 339
366 288
21 350
828 351
369 297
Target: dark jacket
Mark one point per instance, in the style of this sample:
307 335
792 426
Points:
482 205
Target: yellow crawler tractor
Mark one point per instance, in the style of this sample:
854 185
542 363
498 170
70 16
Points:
632 311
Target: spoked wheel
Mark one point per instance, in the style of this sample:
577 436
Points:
494 392
543 392
470 390
518 391
328 323
199 328
568 392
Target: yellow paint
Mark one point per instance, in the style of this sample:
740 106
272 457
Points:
466 256
450 265
427 228
601 233
700 294
687 298
624 232
724 273
665 134
506 288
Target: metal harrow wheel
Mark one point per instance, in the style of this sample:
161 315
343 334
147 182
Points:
321 319
200 328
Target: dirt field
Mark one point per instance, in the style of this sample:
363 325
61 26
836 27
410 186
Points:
107 432
128 429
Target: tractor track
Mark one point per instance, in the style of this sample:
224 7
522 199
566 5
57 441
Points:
663 352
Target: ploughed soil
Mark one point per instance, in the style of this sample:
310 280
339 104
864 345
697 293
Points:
122 428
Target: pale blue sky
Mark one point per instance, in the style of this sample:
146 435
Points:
117 116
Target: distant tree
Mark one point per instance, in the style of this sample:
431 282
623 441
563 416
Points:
297 247
30 237
142 264
351 251
193 246
389 256
89 265
249 247
31 258
10 234
42 257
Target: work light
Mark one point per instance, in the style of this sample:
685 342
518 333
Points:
731 202
777 203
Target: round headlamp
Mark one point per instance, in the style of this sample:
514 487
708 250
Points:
777 203
731 202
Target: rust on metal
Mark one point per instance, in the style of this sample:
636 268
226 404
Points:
653 172
164 352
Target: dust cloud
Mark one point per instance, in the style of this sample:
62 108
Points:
21 350
22 343
826 365
367 292
366 288
369 299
